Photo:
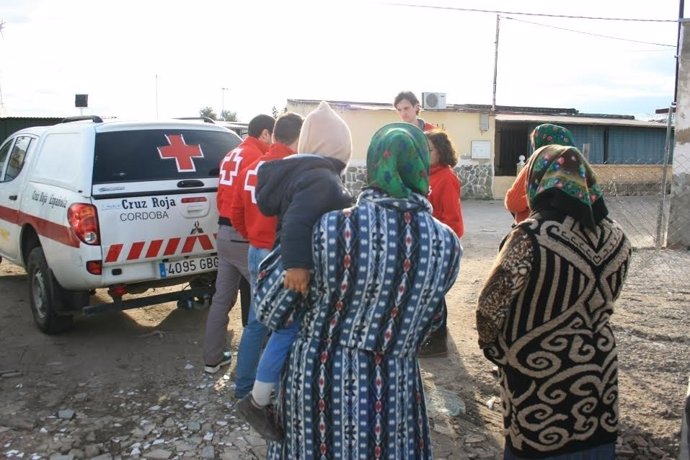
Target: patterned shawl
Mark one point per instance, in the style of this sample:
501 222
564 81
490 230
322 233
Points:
548 134
398 160
559 178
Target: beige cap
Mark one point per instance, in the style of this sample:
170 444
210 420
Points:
325 133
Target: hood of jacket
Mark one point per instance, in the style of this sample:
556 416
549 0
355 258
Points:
278 180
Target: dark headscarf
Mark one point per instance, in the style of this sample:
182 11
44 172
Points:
559 178
398 160
548 134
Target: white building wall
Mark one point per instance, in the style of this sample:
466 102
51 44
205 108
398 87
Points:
678 235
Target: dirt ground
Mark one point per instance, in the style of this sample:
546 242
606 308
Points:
130 384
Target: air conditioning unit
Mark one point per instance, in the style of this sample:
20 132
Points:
434 100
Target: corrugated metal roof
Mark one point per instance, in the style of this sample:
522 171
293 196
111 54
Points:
508 113
346 105
578 120
483 108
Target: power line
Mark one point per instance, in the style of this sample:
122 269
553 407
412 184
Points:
565 16
590 33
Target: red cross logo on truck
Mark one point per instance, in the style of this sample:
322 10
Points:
181 152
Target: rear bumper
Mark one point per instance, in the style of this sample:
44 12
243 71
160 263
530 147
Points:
120 304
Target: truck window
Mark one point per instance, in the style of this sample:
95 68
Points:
151 155
3 155
59 160
16 160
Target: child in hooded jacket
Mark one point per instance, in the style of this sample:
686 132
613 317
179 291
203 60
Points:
298 190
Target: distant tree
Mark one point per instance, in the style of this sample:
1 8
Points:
208 112
275 112
227 115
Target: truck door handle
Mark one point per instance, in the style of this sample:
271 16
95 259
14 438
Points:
13 197
190 183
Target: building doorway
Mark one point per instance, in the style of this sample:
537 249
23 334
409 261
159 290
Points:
513 141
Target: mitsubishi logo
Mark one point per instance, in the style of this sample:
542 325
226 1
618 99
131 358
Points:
197 228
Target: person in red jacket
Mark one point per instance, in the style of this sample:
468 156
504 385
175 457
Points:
258 229
407 106
445 191
232 247
444 196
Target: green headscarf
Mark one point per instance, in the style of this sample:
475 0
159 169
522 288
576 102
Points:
548 134
560 178
398 160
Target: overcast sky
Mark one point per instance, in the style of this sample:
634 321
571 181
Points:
169 58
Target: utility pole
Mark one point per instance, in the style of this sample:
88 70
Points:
493 100
156 96
2 101
681 13
222 102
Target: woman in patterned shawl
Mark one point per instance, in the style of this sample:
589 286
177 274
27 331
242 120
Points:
543 315
352 387
515 200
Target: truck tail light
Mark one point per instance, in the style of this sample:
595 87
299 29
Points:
83 219
95 267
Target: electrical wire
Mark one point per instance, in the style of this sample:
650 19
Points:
589 33
565 16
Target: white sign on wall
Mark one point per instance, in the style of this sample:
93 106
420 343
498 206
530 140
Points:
481 150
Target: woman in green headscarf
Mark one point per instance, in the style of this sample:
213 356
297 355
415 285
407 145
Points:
398 161
546 134
352 386
543 315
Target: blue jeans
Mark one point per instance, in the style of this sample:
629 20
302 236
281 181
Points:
275 354
253 333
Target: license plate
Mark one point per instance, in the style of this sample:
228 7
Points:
186 266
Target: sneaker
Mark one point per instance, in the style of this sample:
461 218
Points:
260 418
434 347
495 372
227 359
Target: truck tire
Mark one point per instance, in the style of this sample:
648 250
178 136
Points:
46 295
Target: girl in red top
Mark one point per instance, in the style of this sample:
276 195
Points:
444 196
445 186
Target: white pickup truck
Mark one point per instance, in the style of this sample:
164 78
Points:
127 206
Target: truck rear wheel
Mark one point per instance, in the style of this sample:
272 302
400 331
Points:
46 295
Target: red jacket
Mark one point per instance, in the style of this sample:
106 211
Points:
249 150
424 125
516 197
259 229
444 195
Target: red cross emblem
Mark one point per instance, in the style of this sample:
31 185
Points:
250 180
181 152
230 167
